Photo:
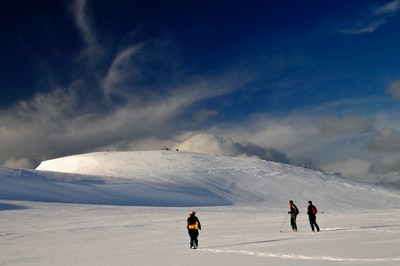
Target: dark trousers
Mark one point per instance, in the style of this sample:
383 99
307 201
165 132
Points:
193 233
293 221
313 222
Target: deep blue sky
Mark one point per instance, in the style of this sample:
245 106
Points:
314 82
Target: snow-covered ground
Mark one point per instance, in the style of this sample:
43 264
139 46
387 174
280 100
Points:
130 209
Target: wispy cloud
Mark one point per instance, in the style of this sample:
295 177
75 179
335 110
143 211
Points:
81 14
120 71
67 120
388 9
377 17
54 124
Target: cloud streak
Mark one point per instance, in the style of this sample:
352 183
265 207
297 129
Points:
120 71
81 14
376 18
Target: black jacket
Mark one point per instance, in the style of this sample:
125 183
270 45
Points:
293 209
311 210
192 220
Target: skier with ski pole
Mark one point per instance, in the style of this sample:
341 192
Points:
294 211
284 221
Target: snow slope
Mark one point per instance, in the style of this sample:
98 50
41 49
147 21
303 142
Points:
130 208
170 178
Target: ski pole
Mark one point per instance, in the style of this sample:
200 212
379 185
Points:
284 222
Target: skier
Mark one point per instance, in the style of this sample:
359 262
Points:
312 212
193 226
294 211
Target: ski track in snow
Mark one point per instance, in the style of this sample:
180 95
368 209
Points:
300 257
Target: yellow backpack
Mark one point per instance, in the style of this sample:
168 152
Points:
194 226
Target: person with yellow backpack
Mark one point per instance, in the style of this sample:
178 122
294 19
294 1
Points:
193 226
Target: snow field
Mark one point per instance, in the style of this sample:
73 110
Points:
74 234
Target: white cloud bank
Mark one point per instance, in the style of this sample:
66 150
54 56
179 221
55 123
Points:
387 140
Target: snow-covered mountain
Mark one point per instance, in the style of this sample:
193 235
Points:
175 178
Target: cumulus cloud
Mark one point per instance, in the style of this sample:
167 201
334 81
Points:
384 171
212 144
332 126
356 168
385 164
394 89
390 180
387 140
374 19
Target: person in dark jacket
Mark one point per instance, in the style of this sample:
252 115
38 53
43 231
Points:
193 227
294 211
312 216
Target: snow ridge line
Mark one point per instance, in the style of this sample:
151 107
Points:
292 256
